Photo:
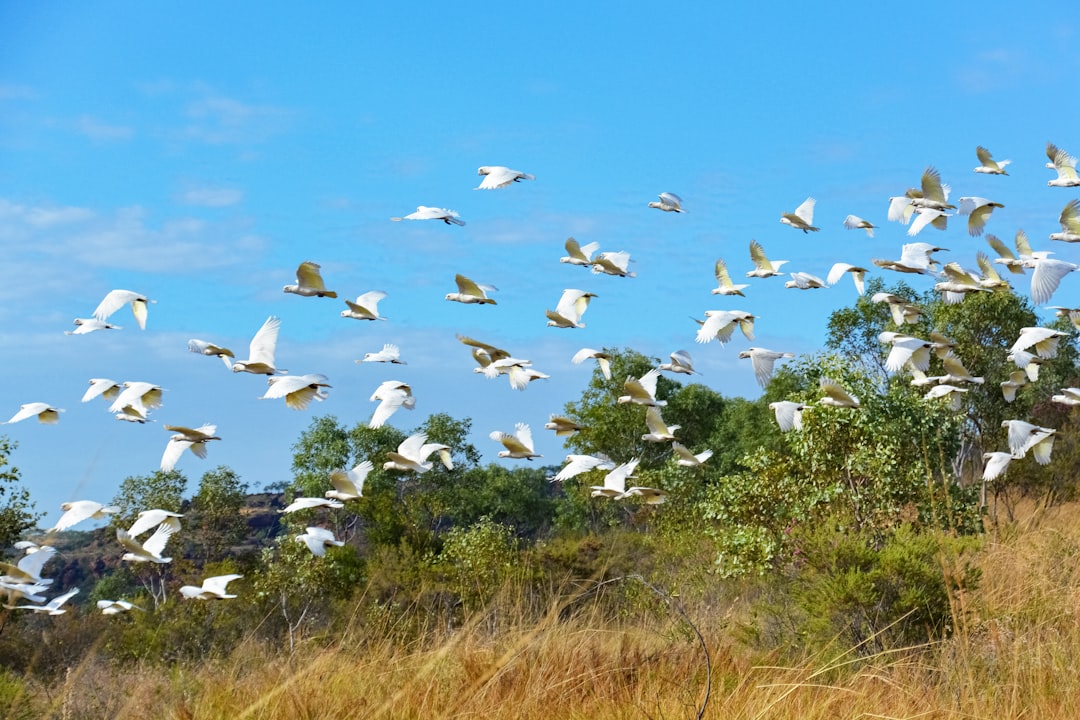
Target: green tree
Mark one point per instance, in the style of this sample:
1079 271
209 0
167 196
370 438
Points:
219 523
16 509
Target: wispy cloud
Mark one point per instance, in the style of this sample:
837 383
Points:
218 119
100 131
126 239
211 196
16 92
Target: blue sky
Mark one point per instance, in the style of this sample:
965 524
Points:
198 153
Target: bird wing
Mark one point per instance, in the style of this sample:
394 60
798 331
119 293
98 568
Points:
977 220
261 349
723 277
996 463
307 276
757 255
655 422
100 386
391 401
524 434
805 212
217 584
148 519
112 302
1046 278
33 563
468 287
155 545
76 512
932 189
173 450
1070 217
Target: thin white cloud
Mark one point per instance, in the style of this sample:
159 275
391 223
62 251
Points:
212 196
217 119
100 131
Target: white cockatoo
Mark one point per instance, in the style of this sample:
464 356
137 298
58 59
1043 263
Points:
78 510
720 325
1065 165
681 364
835 395
53 607
1017 379
1047 275
669 202
45 413
615 480
659 431
952 394
858 275
318 540
978 210
28 568
84 326
140 396
958 284
1023 436
788 414
298 390
578 464
309 282
413 452
603 359
995 464
349 484
308 503
804 281
914 258
685 458
1044 341
939 219
763 267
802 218
391 395
571 307
389 354
987 164
470 292
577 254
724 285
148 519
1070 223
1067 396
642 391
115 607
613 263
1005 256
151 550
519 445
854 222
186 438
261 351
955 372
424 212
563 426
763 361
202 347
498 176
213 588
934 195
117 299
902 310
365 307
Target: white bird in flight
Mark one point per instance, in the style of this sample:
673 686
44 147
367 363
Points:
763 361
802 218
723 279
689 459
614 486
423 212
391 395
681 364
318 540
578 464
603 360
613 263
519 445
563 426
261 351
89 325
858 275
577 254
978 210
804 281
309 282
213 588
148 519
835 395
659 431
45 413
308 503
720 325
470 292
151 550
642 391
788 414
389 354
203 347
298 390
1070 223
365 307
116 299
498 176
570 309
854 222
987 164
78 510
115 607
413 452
50 608
669 202
349 484
186 438
763 267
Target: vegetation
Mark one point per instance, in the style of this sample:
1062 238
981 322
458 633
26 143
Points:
855 567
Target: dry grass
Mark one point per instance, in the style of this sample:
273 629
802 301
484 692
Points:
1013 654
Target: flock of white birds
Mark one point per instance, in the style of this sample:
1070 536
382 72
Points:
917 208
